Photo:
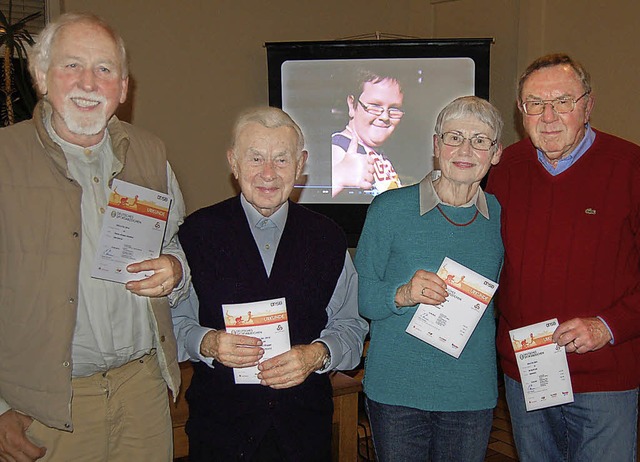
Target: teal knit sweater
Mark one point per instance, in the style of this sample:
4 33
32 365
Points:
396 241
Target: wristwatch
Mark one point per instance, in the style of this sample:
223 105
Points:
327 359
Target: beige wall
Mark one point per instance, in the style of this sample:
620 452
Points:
487 18
604 37
196 63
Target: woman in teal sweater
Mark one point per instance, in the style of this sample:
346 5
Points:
423 404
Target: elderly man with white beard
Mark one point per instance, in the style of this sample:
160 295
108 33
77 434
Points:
84 362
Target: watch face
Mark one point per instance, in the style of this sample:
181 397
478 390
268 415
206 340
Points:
327 359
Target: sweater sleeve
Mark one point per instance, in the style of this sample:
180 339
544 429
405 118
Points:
376 295
623 316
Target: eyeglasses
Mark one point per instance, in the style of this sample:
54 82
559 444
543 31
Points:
374 109
559 105
478 142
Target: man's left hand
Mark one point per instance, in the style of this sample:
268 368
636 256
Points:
582 335
293 367
167 274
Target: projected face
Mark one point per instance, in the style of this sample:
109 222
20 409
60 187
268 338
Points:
373 130
266 163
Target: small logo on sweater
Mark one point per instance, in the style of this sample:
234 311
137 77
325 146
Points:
590 211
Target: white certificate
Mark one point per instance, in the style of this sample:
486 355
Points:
266 320
132 231
449 325
543 366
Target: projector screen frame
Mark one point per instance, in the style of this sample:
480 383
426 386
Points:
351 216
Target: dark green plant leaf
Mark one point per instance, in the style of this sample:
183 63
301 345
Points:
15 37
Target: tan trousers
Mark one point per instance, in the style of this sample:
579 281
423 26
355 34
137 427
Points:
118 416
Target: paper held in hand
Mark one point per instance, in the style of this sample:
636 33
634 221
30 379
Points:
132 231
266 320
449 325
543 365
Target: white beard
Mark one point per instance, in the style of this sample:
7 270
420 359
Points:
81 123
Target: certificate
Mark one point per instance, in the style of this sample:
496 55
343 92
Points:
449 325
266 320
132 231
543 366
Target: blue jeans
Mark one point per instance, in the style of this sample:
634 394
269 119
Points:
404 434
598 427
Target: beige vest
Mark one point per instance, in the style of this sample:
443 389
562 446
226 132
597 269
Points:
40 232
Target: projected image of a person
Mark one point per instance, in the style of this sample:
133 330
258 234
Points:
375 110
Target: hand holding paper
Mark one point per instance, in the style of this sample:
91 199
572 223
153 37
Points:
423 287
267 321
131 240
543 366
232 350
167 274
582 335
449 325
292 367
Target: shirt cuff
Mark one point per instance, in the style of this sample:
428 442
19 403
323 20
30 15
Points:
4 406
608 328
334 349
193 342
178 294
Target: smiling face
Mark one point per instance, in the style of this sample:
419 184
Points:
266 163
462 165
84 82
556 135
374 130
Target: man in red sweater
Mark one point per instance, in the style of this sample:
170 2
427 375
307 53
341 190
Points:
570 199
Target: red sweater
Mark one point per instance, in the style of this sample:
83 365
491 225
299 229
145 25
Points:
572 249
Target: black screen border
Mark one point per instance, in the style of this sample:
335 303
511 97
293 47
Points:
351 216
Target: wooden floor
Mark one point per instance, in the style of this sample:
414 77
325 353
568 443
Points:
501 447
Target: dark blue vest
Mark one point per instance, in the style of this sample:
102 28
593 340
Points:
226 268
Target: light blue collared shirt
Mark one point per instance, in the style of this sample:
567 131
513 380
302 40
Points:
572 158
106 335
345 330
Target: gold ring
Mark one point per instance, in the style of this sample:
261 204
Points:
422 291
574 344
162 286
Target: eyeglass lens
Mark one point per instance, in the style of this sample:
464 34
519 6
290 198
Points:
481 143
374 109
559 105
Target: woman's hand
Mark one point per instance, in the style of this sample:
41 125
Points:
424 287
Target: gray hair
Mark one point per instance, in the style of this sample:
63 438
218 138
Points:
269 117
40 53
471 106
556 59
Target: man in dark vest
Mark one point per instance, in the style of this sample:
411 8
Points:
260 246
